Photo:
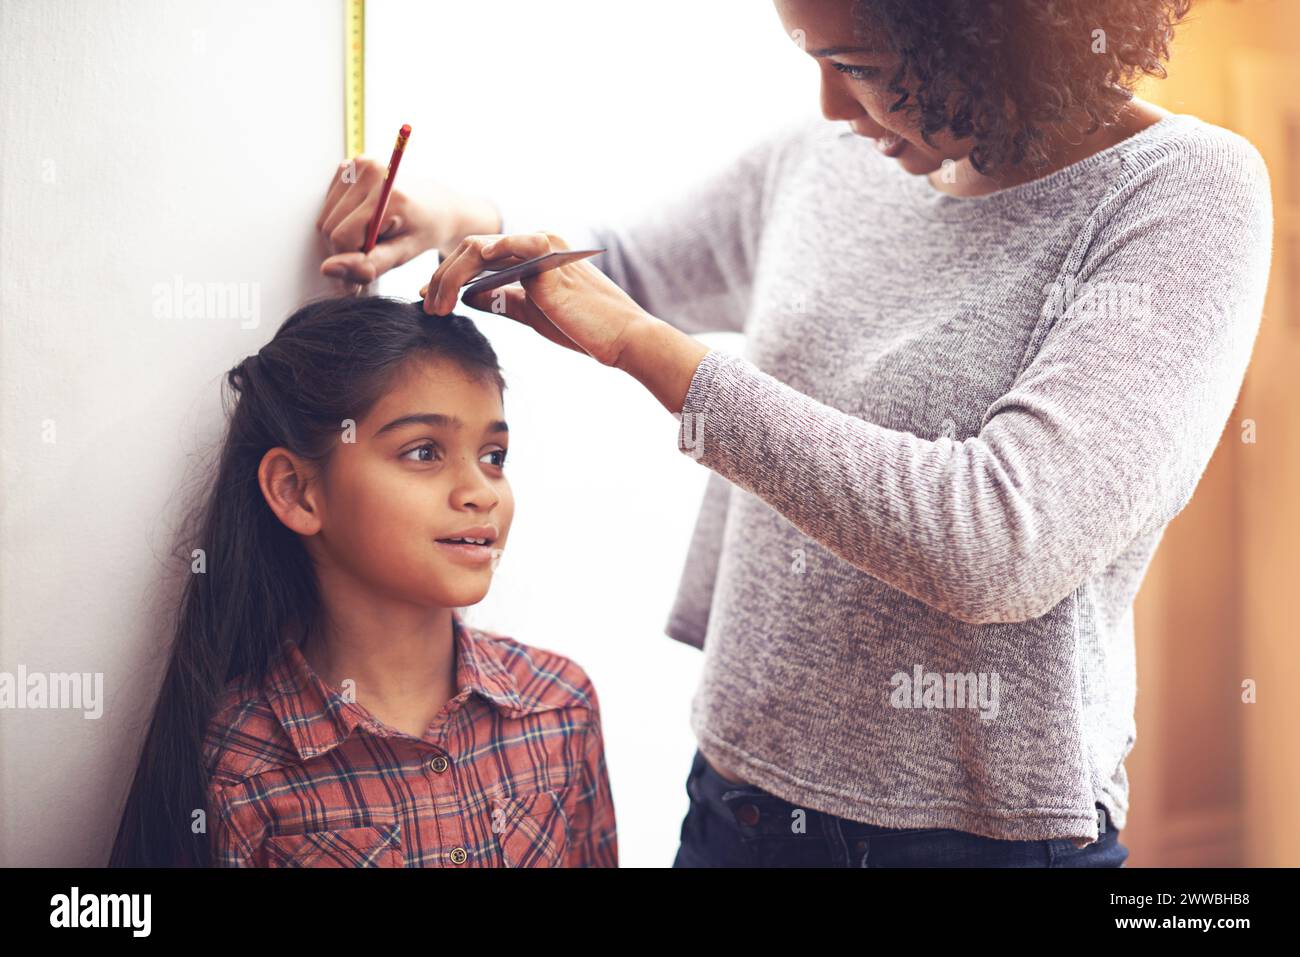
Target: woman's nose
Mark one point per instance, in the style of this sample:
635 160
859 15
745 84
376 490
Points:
837 104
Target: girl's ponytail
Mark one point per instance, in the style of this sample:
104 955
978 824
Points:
250 580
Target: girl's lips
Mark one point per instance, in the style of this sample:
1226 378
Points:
467 554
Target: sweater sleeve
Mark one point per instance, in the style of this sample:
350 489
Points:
1102 436
690 259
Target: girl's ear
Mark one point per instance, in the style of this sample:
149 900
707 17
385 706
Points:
285 479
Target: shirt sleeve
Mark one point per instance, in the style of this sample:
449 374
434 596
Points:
690 259
1102 437
593 837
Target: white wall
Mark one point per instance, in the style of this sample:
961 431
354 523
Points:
145 140
629 102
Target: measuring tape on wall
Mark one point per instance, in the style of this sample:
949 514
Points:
354 77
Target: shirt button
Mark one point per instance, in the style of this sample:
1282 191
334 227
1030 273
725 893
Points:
747 814
439 764
458 855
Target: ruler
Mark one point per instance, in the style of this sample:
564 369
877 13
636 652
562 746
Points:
354 78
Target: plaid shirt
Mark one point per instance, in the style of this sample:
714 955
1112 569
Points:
510 774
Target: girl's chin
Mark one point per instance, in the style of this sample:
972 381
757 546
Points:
462 586
451 595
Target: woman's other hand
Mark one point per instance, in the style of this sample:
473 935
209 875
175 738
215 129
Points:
427 215
575 305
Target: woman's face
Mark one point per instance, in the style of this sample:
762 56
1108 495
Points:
426 464
854 84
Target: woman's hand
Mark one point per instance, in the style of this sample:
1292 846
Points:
576 305
429 216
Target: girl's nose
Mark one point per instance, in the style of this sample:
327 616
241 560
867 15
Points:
474 491
480 497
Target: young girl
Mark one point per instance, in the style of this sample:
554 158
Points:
325 704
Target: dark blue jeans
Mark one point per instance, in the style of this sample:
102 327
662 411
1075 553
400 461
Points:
735 825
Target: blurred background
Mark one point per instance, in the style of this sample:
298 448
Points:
151 145
1215 772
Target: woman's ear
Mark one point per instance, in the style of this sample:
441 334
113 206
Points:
287 486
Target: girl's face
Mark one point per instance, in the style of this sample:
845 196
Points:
854 84
426 464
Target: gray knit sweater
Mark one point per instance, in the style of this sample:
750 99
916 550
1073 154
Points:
942 464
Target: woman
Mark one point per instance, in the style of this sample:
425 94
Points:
987 361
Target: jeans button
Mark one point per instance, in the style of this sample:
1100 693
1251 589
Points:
747 814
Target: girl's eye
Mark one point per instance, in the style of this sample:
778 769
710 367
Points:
430 452
857 72
418 450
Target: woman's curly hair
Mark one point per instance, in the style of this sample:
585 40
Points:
1001 70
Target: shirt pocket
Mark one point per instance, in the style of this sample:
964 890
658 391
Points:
532 830
377 845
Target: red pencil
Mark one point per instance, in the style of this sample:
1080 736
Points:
372 233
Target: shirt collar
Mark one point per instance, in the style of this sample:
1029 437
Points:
317 717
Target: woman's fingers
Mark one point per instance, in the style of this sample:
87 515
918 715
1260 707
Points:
513 303
354 267
414 222
350 232
359 185
474 254
338 186
362 267
574 305
348 174
485 268
466 262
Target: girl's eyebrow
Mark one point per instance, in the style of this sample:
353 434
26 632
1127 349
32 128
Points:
832 51
438 419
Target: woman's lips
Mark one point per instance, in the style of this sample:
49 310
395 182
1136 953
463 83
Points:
891 146
467 554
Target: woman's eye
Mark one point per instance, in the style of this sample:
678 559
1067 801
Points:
502 453
419 453
857 72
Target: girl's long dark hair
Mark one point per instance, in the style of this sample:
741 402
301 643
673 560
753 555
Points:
329 362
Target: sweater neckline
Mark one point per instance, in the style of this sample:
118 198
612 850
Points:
1148 142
